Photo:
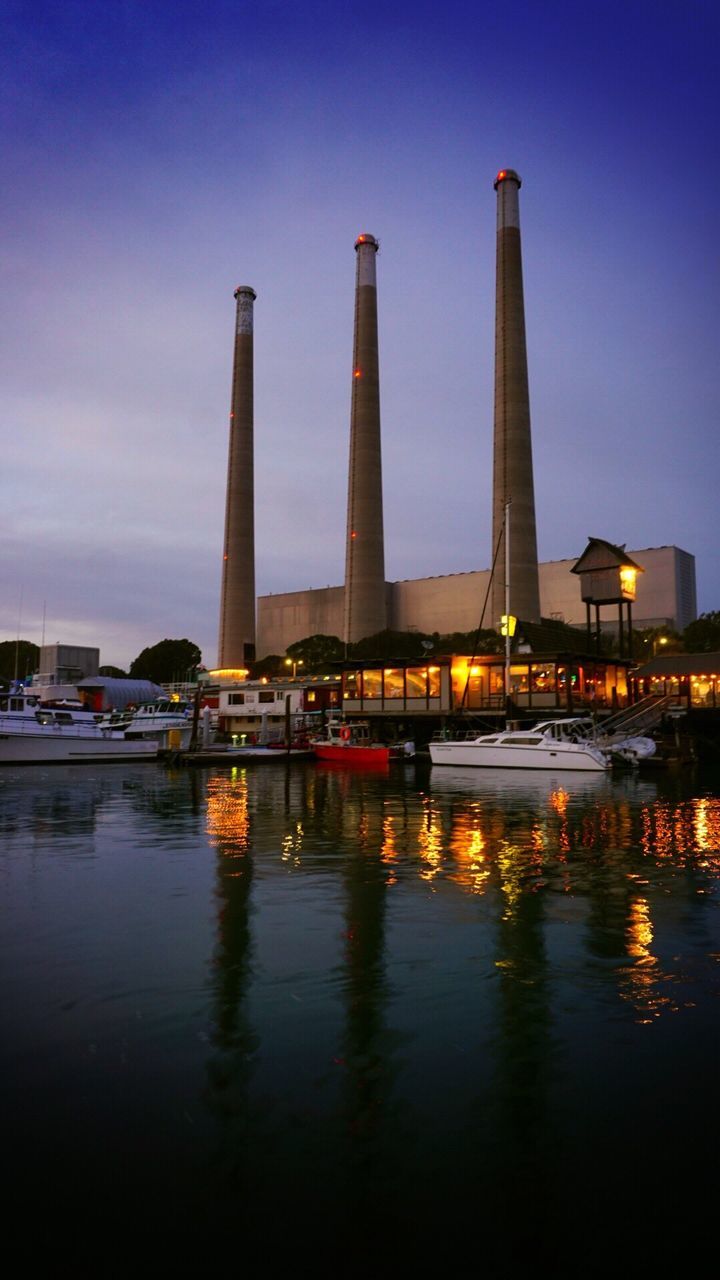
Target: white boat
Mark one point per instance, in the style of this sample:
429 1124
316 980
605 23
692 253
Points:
166 721
33 734
573 743
544 747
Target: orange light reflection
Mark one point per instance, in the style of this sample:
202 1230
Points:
228 818
430 843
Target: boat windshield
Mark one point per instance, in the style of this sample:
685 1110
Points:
574 730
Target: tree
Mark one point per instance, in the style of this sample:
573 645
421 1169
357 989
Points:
418 644
316 652
116 673
389 644
271 666
468 642
18 658
651 642
703 635
168 662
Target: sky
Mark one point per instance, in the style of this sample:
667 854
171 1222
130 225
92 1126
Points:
156 155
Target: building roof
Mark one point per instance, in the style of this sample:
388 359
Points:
560 652
600 554
550 635
680 664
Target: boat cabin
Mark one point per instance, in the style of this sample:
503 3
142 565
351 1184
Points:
354 732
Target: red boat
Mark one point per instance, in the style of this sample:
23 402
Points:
349 742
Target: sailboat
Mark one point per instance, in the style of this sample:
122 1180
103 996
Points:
574 743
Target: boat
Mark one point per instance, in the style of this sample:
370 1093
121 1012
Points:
547 746
572 743
349 742
33 734
166 721
551 744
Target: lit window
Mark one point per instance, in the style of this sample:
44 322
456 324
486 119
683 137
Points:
372 684
393 684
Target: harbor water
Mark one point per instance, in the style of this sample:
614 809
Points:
362 1009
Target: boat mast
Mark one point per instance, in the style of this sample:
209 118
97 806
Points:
507 611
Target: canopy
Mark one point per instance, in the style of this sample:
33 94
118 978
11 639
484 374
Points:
118 694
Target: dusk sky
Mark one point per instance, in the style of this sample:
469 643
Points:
155 155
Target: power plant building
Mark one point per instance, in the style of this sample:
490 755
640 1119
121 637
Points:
666 597
367 604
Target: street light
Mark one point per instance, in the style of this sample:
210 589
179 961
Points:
294 663
658 640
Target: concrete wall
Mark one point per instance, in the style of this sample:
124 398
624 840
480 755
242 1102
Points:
283 619
450 603
665 591
453 602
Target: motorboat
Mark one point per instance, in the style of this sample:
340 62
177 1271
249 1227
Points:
544 747
349 742
575 742
166 721
33 734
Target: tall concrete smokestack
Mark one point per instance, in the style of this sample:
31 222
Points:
512 455
236 644
365 610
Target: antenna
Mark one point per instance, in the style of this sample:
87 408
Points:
17 642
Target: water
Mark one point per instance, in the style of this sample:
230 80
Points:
318 1007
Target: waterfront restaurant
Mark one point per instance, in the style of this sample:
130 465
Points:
449 685
691 679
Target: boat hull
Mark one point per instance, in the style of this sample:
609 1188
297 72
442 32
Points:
30 748
480 755
367 757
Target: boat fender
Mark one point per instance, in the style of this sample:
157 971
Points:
345 733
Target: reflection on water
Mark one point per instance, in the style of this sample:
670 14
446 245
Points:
228 817
642 983
408 983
